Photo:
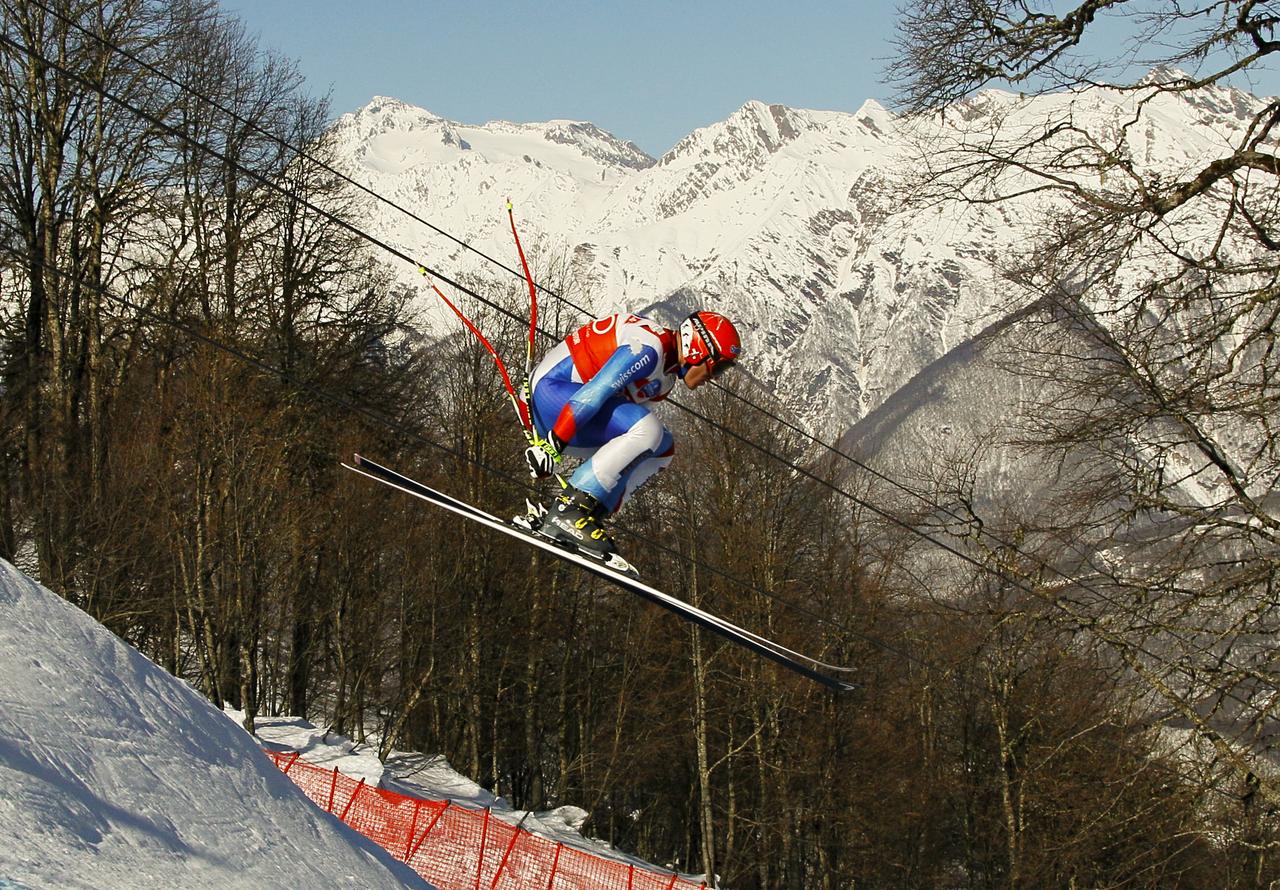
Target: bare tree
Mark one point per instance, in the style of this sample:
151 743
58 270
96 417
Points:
74 187
1163 266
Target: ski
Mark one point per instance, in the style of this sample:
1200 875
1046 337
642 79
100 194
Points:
792 661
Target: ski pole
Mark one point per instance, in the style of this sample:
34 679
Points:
533 294
522 409
530 434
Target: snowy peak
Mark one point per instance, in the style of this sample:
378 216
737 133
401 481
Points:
384 113
875 118
1212 105
391 136
772 125
754 130
758 147
1165 75
594 143
1164 92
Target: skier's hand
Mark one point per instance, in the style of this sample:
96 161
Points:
543 455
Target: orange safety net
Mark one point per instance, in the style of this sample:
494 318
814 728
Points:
460 849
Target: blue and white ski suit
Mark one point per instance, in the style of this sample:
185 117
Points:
590 391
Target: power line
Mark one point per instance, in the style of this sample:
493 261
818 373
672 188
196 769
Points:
551 335
284 375
360 233
266 367
377 196
1003 574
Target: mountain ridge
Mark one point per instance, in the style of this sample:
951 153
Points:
788 220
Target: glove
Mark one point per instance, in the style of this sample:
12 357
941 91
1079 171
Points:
543 455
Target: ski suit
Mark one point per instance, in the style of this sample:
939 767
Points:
591 389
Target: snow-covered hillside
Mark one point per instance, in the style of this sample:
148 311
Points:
114 774
788 220
945 443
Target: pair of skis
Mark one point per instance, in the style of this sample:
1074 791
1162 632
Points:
792 661
620 572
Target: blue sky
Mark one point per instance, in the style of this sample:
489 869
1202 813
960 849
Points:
649 72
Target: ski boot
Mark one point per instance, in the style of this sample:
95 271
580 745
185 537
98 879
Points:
574 521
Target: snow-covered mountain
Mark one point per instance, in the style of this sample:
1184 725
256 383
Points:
944 446
788 220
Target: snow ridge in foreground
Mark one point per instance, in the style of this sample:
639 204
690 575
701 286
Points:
114 774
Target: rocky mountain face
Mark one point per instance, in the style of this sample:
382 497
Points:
789 221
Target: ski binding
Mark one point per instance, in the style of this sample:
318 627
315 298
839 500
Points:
530 522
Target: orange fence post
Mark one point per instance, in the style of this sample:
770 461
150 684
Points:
413 828
414 851
674 875
484 836
296 755
333 786
555 863
507 854
347 808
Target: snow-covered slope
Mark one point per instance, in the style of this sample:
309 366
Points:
114 774
947 442
788 220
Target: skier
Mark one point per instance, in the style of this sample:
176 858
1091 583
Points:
587 400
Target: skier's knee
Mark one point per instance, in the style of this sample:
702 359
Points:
648 434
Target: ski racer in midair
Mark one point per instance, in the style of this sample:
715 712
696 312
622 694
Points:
588 400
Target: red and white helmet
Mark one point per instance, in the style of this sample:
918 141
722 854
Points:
709 337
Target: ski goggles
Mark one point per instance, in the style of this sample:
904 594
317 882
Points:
717 367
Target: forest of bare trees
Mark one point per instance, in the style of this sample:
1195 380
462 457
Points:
1152 343
190 347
